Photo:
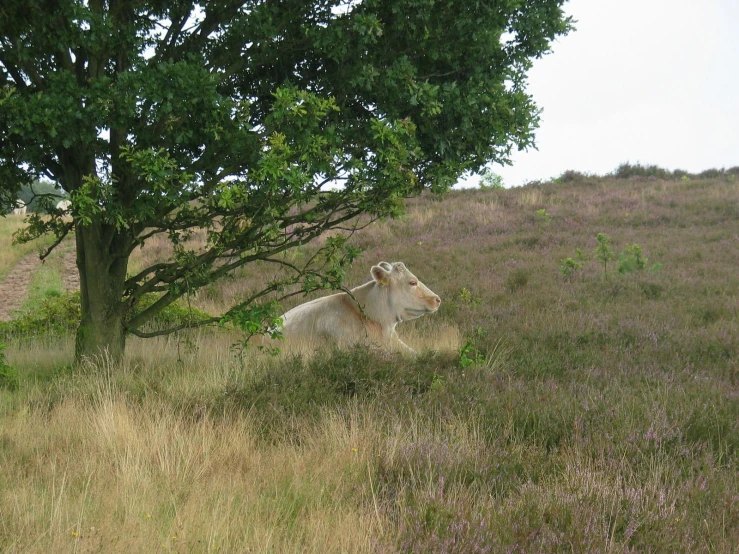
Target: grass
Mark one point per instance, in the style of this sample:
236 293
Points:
600 415
46 282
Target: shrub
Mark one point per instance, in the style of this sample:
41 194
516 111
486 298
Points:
632 259
571 176
55 315
491 181
568 267
60 315
175 314
627 171
711 173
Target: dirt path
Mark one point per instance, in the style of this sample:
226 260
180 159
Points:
13 288
70 275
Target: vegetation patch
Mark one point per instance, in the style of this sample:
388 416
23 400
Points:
573 411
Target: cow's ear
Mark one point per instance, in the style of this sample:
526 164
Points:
386 265
380 274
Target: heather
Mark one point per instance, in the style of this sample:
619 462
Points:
589 409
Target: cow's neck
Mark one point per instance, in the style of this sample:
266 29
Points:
375 302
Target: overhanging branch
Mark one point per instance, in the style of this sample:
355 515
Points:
161 277
65 231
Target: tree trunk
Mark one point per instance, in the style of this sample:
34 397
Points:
102 263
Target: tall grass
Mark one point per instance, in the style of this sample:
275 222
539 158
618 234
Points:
599 415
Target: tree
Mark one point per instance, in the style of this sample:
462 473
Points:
233 117
491 181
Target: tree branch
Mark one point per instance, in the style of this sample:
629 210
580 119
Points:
208 258
173 33
67 228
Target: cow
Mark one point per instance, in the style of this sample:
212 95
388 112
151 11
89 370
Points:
20 208
369 312
63 205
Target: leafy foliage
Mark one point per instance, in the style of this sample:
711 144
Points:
569 267
632 259
55 315
60 315
491 181
469 353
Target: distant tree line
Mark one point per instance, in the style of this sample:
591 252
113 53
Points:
630 171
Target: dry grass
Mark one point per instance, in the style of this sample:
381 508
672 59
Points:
110 473
108 476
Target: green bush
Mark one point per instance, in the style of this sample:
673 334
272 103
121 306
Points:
627 171
568 267
60 315
173 315
55 315
632 259
571 176
491 181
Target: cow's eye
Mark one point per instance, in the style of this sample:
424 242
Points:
413 283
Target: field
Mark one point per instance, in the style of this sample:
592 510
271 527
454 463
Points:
555 407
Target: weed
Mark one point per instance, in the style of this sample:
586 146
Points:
469 354
543 217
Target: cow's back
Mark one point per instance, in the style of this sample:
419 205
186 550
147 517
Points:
335 317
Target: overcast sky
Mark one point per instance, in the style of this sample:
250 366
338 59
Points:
648 81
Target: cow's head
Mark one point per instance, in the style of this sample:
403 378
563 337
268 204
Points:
409 297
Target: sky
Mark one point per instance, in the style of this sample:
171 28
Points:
638 81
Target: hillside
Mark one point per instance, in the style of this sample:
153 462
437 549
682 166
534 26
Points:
556 406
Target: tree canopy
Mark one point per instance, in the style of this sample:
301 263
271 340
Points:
263 122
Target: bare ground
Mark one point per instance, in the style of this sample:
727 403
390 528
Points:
15 286
70 275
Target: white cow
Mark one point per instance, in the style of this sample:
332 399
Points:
63 205
394 295
20 208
